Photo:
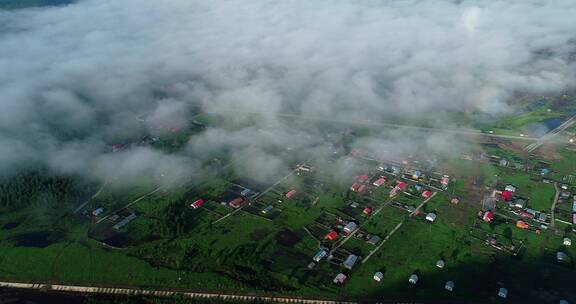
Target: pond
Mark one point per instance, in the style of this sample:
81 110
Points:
38 239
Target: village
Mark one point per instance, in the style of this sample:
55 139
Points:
341 232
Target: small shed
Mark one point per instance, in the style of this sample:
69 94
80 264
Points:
378 276
449 286
510 188
440 263
431 217
567 241
413 279
503 293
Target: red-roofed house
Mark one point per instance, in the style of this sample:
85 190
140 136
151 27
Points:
506 195
379 182
526 214
362 178
426 194
445 181
236 203
290 193
522 225
197 203
355 187
332 235
362 188
488 216
367 211
401 185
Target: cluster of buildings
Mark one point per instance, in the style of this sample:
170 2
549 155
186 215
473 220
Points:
517 205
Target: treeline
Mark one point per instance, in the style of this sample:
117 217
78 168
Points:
40 188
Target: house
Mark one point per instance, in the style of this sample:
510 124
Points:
374 240
367 211
236 203
426 194
542 216
305 168
98 211
449 286
351 226
503 293
561 256
378 276
574 206
506 195
567 242
350 261
526 214
413 279
332 235
416 175
379 182
488 216
245 192
431 217
267 209
357 187
503 163
197 203
290 193
320 255
311 265
520 203
125 221
510 188
564 187
522 225
455 200
440 263
418 187
445 181
362 178
574 218
340 278
401 185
